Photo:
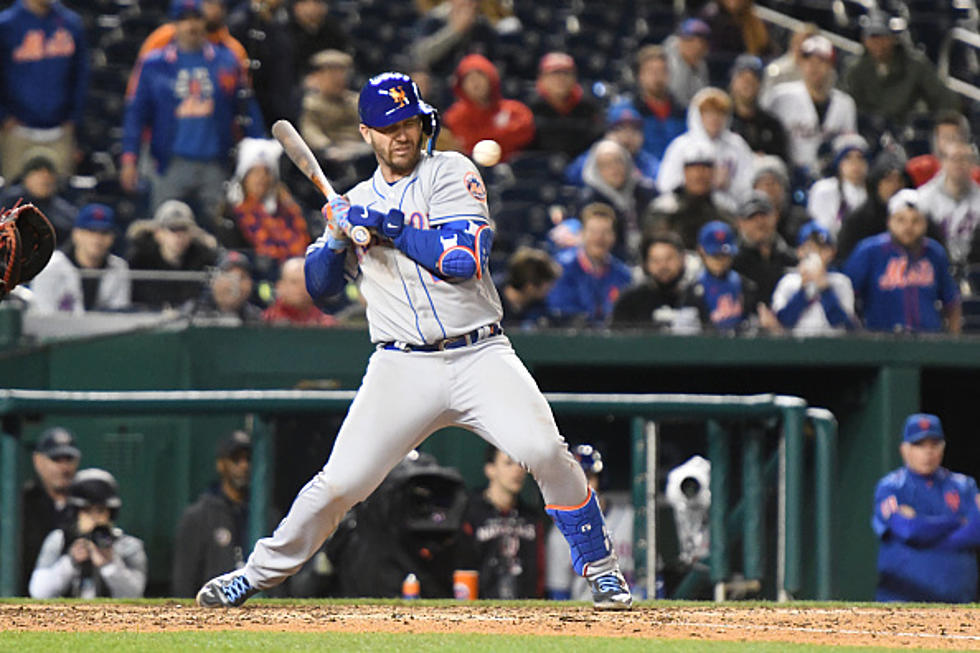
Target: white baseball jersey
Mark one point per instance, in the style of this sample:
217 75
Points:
405 302
958 218
792 104
831 200
813 320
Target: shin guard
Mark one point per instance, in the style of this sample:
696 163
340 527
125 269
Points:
585 531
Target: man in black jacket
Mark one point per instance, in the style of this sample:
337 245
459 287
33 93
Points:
663 287
763 255
44 502
212 533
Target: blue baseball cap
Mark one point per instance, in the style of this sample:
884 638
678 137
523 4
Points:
747 62
623 114
812 230
920 426
96 217
694 27
389 98
181 8
718 238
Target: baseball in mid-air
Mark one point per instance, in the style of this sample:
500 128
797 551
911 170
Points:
487 153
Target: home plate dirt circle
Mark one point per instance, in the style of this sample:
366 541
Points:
888 626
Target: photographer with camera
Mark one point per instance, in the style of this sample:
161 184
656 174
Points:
90 557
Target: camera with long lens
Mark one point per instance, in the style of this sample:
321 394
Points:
101 536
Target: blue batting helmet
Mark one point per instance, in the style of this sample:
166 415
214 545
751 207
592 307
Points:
392 97
589 458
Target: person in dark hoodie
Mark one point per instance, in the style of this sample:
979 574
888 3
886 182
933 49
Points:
566 119
886 176
39 186
664 285
211 535
481 113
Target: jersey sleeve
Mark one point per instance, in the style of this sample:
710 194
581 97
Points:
887 520
967 536
948 291
458 191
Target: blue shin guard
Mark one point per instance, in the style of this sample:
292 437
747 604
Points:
585 530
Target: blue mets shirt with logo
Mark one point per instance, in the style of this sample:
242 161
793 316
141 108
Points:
901 290
931 555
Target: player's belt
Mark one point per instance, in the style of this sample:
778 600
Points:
456 342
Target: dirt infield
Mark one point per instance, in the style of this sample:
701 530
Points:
947 628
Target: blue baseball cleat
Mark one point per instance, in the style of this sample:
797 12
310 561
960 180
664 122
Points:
226 591
610 590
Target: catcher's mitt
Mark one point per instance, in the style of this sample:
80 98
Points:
26 243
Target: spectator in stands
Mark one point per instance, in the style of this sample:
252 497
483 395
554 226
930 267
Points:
451 29
214 14
229 292
761 130
772 178
531 275
312 29
329 121
653 301
952 201
736 29
723 297
592 277
763 255
812 110
91 557
480 112
928 521
813 300
832 199
566 118
212 535
187 94
262 26
889 80
39 186
949 127
693 203
171 242
901 278
708 120
787 67
687 50
43 83
83 275
663 115
886 176
502 537
293 305
561 581
266 215
611 177
44 500
624 126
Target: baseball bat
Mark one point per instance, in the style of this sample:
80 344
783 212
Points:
299 153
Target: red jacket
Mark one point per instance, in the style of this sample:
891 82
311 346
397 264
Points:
509 122
281 313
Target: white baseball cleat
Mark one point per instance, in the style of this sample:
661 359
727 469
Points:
610 592
226 591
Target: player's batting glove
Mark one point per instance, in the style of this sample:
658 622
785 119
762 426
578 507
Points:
393 224
335 214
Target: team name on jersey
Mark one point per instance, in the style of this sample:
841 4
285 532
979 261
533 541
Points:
496 527
898 274
196 91
35 47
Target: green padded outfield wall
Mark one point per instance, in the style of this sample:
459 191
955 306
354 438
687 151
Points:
870 384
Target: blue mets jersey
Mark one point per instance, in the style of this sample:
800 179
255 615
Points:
901 290
721 301
929 528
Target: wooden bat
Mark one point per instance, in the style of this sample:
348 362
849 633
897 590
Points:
299 153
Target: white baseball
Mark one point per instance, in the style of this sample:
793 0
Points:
487 153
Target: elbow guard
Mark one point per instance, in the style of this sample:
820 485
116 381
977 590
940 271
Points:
466 255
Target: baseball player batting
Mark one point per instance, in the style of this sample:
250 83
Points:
441 357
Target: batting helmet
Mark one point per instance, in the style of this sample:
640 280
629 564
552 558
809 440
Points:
94 487
589 458
392 97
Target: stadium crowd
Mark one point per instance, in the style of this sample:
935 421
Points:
703 171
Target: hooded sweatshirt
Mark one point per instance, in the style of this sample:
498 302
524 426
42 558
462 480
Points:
509 122
731 152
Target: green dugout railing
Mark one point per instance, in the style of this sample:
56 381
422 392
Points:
792 411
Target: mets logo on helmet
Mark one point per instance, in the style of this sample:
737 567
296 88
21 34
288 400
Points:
397 95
